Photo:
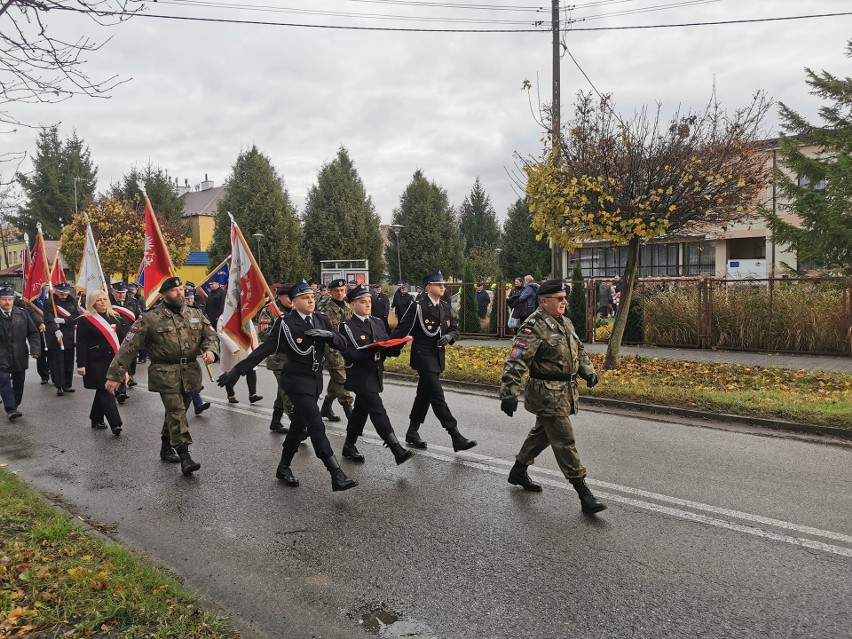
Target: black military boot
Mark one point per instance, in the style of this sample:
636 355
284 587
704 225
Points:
350 452
339 480
326 411
412 437
283 472
519 476
588 502
347 410
275 425
460 442
400 453
167 453
116 430
187 464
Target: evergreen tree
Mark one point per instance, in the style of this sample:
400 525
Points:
820 190
468 308
522 253
340 221
577 302
430 239
256 197
162 191
49 187
478 221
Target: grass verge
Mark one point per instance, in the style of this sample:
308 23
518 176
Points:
811 397
57 581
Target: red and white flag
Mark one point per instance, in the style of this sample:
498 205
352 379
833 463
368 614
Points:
246 295
39 273
156 263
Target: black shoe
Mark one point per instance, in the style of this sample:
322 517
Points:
460 442
275 425
44 381
589 504
167 453
98 425
132 382
233 400
59 392
255 398
326 412
412 437
187 464
14 415
201 408
121 398
339 480
519 476
285 475
116 430
400 453
351 453
68 390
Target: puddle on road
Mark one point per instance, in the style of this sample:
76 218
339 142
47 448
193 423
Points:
381 620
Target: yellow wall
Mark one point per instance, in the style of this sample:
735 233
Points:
192 273
202 231
13 250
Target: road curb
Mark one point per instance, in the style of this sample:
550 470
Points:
762 422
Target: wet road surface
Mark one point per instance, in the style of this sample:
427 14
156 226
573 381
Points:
709 533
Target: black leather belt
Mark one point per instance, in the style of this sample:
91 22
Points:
553 377
182 360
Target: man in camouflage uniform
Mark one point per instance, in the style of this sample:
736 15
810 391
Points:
548 347
334 305
175 336
276 361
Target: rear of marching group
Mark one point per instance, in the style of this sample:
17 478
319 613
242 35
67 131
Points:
303 332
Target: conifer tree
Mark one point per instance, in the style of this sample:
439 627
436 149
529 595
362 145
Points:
430 239
49 187
478 221
340 222
522 253
161 190
468 308
577 302
256 197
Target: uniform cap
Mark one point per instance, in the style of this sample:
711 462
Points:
337 283
7 292
132 285
549 287
377 286
189 284
170 283
63 288
434 278
118 287
301 288
352 283
355 293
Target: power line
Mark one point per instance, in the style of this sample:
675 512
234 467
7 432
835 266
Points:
435 30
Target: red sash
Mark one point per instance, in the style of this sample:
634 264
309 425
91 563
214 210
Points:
106 330
126 312
62 312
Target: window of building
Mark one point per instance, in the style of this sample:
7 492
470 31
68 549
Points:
805 182
699 257
658 260
597 262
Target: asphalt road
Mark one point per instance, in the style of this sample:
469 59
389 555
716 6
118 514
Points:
709 532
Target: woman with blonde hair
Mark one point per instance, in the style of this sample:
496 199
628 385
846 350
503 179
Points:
99 334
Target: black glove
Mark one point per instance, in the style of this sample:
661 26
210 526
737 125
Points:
320 333
392 351
228 379
592 381
445 340
509 405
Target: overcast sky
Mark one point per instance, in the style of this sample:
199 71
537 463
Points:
449 104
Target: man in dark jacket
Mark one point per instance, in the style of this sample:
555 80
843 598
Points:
18 335
431 324
215 305
380 306
60 315
482 301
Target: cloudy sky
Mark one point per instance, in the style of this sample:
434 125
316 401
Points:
450 104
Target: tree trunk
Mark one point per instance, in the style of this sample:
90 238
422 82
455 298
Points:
628 283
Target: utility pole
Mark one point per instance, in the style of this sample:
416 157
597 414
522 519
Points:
555 251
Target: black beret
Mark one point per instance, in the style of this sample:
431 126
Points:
170 283
337 283
549 287
355 293
284 289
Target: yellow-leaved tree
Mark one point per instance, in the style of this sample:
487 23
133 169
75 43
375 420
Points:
119 230
628 181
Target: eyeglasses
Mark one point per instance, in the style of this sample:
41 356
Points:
561 298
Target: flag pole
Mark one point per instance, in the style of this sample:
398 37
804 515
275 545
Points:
49 283
251 256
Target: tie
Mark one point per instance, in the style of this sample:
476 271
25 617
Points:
310 321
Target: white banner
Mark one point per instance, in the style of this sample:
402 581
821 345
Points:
91 278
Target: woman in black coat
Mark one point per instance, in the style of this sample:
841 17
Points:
99 333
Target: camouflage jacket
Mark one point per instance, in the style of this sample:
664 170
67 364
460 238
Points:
549 349
266 320
337 314
174 341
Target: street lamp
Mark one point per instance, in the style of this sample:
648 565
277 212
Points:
76 179
258 237
396 228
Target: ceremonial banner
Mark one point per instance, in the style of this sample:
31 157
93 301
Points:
91 278
220 274
57 269
156 264
246 295
38 277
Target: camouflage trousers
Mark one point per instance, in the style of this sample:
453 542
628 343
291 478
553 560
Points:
336 390
175 426
282 401
556 432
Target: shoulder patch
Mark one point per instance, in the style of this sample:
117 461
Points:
517 350
526 331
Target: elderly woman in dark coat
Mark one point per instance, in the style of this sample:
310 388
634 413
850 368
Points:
99 334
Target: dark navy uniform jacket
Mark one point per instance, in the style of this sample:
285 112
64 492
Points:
365 368
426 323
302 373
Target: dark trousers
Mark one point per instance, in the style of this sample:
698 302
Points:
104 406
368 405
430 393
306 417
61 366
251 380
12 389
42 367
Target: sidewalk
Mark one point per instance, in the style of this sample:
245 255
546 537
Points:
742 358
